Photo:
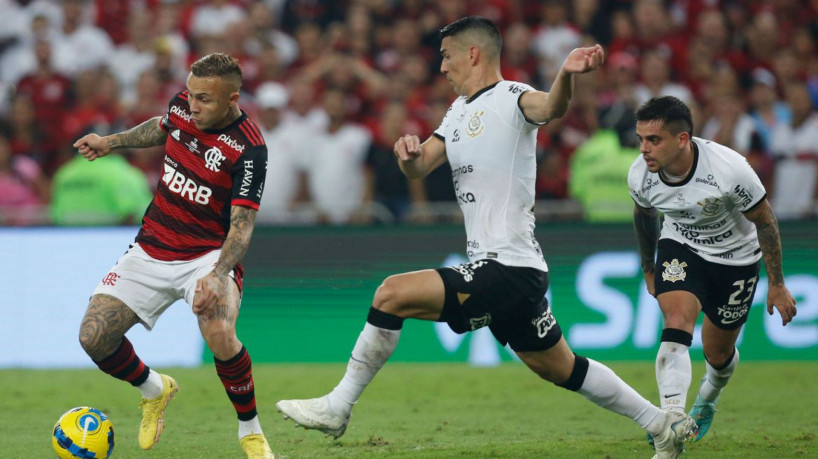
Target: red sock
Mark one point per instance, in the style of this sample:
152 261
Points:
124 364
237 377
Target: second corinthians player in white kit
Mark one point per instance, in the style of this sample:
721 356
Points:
717 225
488 136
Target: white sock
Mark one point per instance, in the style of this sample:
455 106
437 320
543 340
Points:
152 387
249 427
673 373
715 380
372 350
603 387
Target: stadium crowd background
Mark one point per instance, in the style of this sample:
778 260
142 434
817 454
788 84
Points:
333 84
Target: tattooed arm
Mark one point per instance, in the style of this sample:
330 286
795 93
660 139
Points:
770 241
646 225
147 134
211 289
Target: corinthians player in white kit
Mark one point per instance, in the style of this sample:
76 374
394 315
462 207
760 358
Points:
488 136
706 257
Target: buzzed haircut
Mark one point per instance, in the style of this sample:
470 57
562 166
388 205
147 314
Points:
486 34
218 65
672 112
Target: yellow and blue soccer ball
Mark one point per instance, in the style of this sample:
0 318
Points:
83 432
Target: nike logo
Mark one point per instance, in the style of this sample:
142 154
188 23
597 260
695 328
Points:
673 395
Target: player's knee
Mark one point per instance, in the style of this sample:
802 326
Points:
221 340
387 296
718 357
91 334
88 342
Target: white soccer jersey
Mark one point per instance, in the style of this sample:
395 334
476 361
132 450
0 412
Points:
704 211
491 150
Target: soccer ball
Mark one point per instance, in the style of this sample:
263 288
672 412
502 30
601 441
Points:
83 432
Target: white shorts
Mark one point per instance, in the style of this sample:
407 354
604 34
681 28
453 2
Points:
149 286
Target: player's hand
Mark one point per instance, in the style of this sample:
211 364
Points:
650 282
583 60
210 294
407 148
780 297
92 146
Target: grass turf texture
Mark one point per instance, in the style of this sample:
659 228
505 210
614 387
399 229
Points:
420 410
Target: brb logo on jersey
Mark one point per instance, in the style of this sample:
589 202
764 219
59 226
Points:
185 187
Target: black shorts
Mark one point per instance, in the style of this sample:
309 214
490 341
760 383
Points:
725 292
509 300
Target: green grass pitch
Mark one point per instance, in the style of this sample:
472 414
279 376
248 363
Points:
420 410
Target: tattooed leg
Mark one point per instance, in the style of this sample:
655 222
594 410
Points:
105 322
218 325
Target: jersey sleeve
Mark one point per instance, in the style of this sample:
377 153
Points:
440 132
165 122
249 173
745 188
508 102
635 186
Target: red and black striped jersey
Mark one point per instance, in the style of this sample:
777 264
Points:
204 174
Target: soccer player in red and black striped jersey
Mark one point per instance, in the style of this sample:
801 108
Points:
193 237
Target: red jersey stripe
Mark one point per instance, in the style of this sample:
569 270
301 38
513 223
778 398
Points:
244 203
255 130
246 131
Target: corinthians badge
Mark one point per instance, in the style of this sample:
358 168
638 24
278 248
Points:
674 271
475 126
710 207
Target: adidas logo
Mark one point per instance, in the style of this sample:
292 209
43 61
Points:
175 135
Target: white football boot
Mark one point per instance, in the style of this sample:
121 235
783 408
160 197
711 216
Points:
316 414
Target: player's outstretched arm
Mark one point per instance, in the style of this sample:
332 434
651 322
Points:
540 107
416 160
147 134
213 287
769 239
646 226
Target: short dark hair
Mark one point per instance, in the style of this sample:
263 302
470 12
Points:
482 26
218 65
671 111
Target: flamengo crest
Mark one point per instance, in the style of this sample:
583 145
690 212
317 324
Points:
214 158
674 271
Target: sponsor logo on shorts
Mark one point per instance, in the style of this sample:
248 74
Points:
674 271
467 271
110 278
544 323
480 322
731 315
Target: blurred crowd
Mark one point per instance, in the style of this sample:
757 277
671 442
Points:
333 84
